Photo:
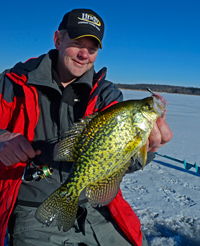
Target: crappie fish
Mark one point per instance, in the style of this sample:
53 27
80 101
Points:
101 147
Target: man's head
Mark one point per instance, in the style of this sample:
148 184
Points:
77 40
83 23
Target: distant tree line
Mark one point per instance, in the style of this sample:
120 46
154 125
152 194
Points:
161 88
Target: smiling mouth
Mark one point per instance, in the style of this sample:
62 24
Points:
79 63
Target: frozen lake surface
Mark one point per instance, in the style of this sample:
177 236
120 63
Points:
165 196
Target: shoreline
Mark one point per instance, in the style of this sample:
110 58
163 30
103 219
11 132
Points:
190 94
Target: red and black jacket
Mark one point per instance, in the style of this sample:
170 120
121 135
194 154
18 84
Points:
19 113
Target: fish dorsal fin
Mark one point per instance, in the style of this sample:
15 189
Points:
142 155
104 191
64 150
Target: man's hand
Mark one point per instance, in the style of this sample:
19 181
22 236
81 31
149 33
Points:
160 135
15 148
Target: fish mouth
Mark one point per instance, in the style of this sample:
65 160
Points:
159 104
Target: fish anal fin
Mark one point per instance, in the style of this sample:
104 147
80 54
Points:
104 191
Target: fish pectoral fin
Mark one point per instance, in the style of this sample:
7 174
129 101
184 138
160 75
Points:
104 191
142 155
61 208
133 144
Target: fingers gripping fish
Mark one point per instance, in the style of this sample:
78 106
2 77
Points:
101 147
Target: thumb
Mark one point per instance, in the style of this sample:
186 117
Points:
38 152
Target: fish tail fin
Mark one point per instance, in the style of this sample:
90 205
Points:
60 205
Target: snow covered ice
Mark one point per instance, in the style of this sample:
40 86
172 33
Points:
164 195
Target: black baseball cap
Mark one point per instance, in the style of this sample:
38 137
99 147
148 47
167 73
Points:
81 23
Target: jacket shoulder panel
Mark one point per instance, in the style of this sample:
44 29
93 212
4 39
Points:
6 88
9 89
103 94
108 94
26 67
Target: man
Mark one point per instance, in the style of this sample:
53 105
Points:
39 100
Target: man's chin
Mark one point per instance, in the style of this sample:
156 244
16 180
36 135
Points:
79 72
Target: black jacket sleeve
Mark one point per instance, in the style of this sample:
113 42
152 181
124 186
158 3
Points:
136 165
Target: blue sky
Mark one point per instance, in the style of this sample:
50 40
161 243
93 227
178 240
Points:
145 41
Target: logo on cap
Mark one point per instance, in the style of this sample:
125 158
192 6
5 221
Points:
90 18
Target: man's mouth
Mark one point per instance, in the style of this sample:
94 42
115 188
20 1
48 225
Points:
79 63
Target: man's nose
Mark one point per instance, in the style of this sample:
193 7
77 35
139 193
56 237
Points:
84 52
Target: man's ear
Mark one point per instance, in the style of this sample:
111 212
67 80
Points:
57 39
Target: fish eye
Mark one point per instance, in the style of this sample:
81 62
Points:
148 106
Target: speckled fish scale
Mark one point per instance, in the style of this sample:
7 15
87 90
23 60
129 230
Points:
101 147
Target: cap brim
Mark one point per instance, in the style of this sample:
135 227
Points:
89 35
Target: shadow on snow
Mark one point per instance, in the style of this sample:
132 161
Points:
178 237
177 168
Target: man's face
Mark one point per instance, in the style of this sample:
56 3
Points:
75 56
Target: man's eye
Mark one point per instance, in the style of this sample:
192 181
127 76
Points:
77 44
92 50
